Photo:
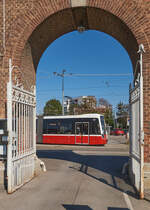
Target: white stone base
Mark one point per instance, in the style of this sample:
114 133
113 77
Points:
39 166
2 175
147 176
78 3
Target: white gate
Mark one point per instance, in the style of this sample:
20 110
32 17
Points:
136 128
21 125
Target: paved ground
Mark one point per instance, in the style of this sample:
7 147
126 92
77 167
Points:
78 178
117 140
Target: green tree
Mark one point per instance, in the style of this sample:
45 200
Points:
122 114
109 118
105 103
73 108
88 105
53 107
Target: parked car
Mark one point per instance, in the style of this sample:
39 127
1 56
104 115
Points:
126 131
112 132
117 132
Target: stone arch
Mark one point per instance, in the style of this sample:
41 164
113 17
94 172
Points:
130 13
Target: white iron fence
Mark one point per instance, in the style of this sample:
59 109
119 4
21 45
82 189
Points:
134 134
136 128
21 125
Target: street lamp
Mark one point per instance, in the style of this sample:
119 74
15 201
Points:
81 29
62 76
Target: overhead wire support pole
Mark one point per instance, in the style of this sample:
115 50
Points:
9 128
62 75
78 75
63 93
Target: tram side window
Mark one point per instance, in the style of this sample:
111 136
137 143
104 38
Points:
44 126
85 128
103 124
95 127
66 126
3 124
51 127
79 128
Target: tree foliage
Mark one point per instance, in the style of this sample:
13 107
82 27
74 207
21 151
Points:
72 109
122 114
109 118
104 102
53 107
88 105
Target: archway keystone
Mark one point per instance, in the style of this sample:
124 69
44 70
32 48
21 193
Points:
78 3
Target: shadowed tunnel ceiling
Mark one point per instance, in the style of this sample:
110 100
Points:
69 19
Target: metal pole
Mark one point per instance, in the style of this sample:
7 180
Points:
9 128
10 70
63 94
34 123
61 75
114 118
141 50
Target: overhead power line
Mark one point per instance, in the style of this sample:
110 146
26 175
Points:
86 88
100 75
91 75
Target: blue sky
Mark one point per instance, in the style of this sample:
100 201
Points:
92 52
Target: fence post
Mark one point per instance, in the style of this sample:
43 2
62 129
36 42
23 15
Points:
9 128
130 124
141 51
34 123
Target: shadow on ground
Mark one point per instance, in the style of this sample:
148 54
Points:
115 208
85 207
76 207
109 164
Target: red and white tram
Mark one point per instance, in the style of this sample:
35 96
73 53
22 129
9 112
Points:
88 129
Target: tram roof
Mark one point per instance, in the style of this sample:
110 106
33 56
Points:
74 116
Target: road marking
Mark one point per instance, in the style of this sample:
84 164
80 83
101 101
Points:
127 200
101 152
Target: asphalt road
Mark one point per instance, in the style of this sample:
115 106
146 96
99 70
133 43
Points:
78 178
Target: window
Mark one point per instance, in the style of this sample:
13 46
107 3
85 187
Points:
79 128
90 126
58 126
66 126
50 126
3 124
103 124
95 128
85 128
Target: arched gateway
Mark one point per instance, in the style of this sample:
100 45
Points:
28 27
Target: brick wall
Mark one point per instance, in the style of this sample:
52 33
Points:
31 25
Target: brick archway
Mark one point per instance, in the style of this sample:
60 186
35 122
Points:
126 21
32 25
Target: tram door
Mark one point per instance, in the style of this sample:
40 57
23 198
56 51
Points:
82 133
